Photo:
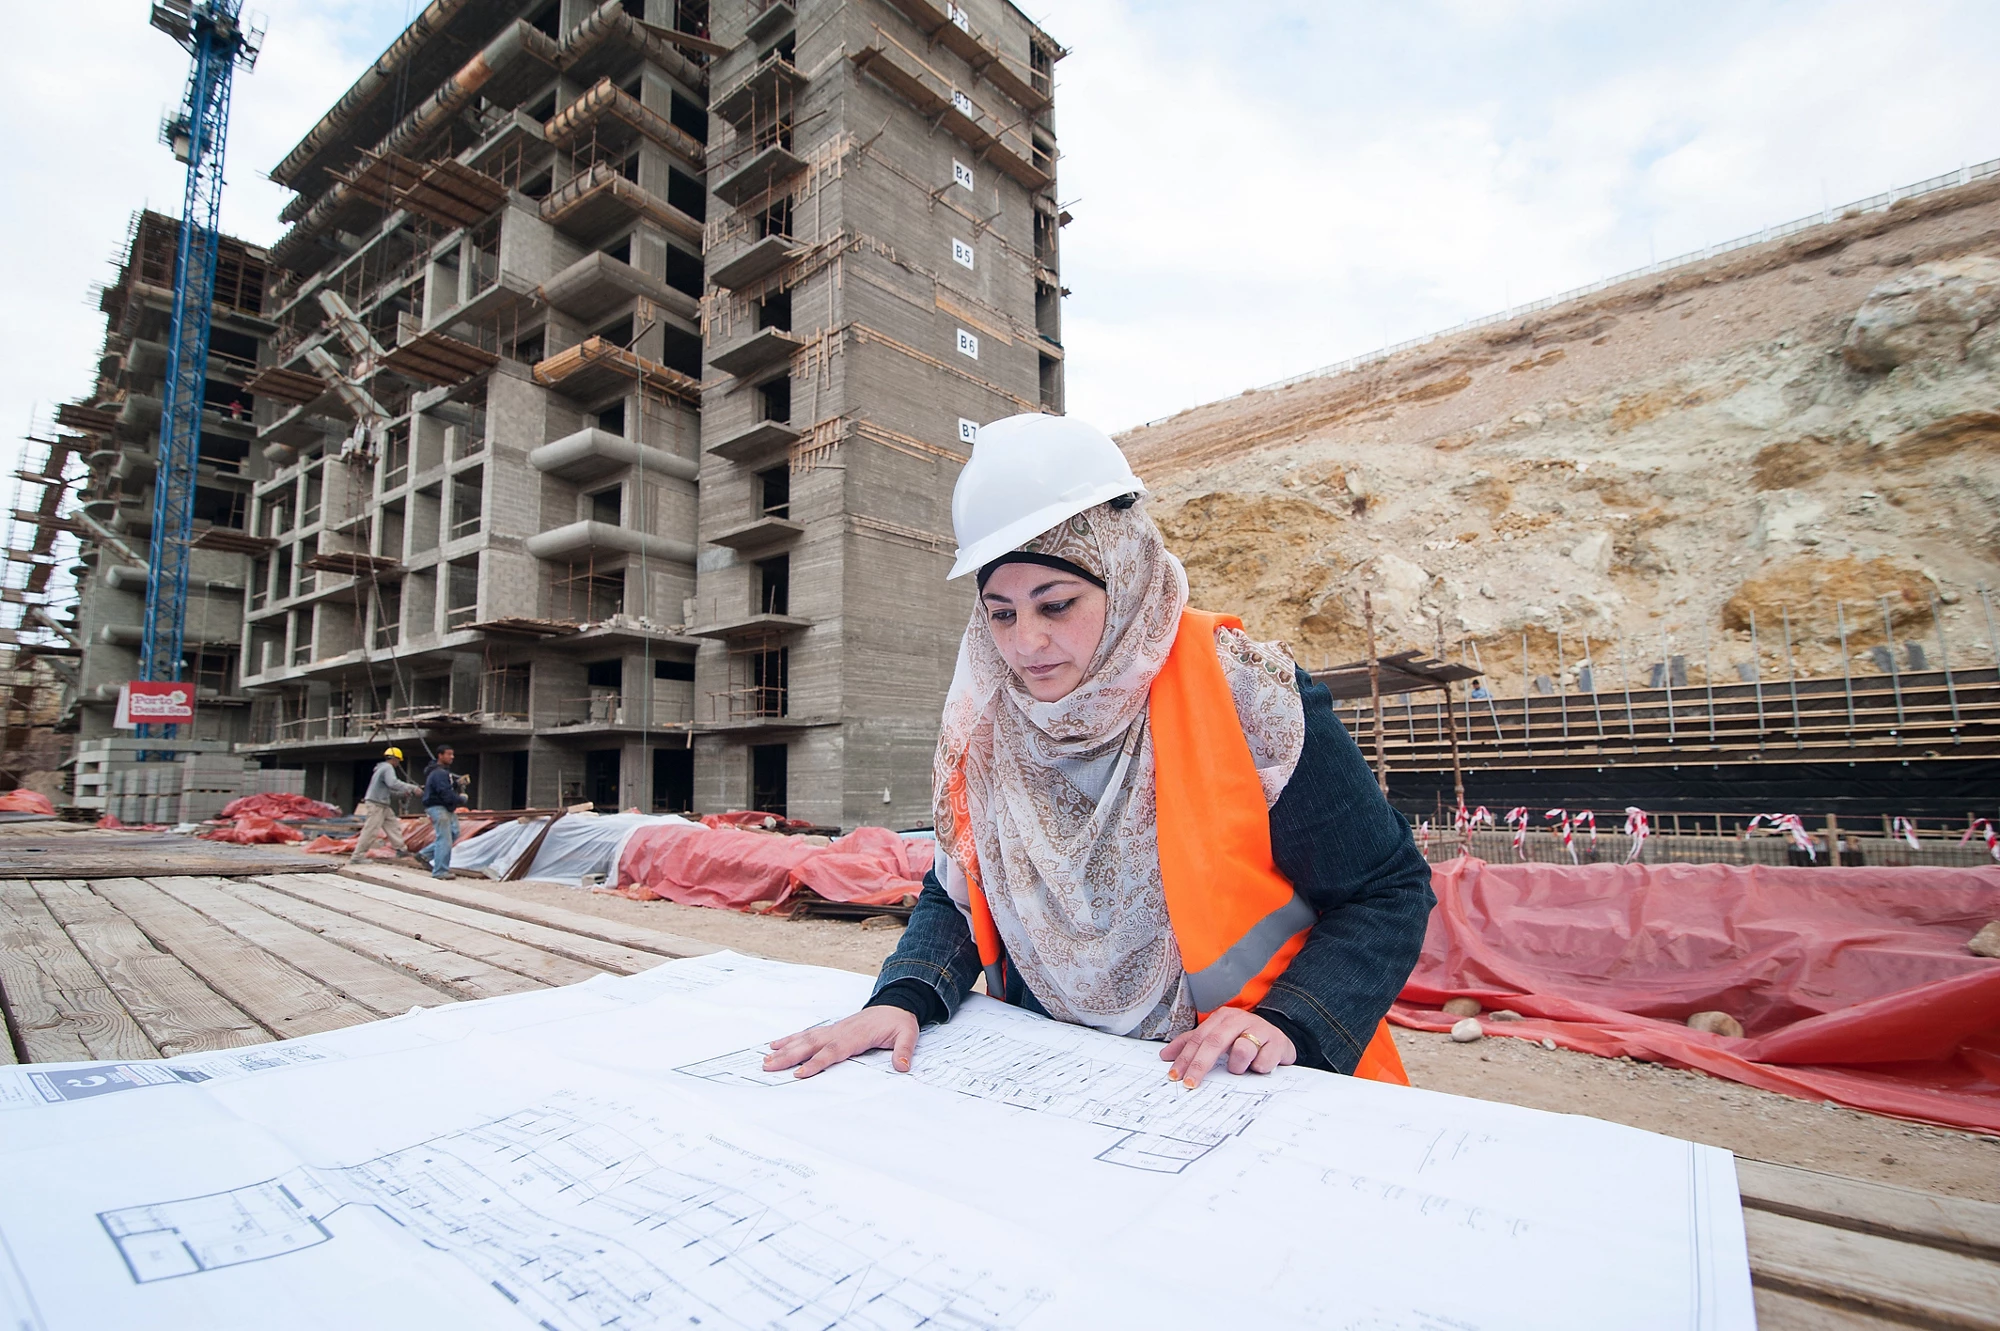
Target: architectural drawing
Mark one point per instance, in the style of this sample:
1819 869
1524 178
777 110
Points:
577 1224
583 1158
31 1085
1161 1127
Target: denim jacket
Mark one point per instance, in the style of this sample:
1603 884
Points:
1346 851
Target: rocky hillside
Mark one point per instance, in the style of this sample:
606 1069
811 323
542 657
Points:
1768 433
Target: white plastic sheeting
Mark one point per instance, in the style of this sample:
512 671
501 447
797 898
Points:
577 845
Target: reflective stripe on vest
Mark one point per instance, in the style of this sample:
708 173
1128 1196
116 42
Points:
1215 984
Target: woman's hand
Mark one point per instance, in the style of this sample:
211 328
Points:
1250 1044
822 1046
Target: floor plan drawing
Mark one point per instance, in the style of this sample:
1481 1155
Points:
1161 1127
596 1157
575 1224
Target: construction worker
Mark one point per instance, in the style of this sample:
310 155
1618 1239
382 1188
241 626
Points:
1147 822
377 809
442 801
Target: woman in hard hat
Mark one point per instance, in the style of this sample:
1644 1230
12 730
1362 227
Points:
1147 822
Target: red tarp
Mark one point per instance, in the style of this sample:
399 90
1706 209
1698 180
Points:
24 800
254 830
723 866
277 806
1853 985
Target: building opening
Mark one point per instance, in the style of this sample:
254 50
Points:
767 778
600 778
673 780
775 576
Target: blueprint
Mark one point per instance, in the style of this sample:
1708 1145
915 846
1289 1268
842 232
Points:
612 1154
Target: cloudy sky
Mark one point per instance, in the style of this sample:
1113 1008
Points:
1254 195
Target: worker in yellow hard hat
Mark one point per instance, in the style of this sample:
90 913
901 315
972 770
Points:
377 808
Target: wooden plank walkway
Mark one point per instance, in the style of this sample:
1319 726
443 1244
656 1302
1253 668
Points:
152 965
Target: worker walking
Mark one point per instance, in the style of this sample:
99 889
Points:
377 809
442 801
1147 822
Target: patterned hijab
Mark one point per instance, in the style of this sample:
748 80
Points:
1057 822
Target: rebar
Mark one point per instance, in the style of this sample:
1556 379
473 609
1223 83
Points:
1527 703
1757 674
1375 692
1708 682
1625 677
1895 677
1596 693
1562 697
1944 663
1792 676
1992 639
1846 667
1667 680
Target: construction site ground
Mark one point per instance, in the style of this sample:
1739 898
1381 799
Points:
1750 1122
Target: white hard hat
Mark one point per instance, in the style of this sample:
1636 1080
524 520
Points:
1027 474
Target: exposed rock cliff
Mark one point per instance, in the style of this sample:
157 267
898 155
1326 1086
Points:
1793 425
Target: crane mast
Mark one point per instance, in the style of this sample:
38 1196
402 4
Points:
213 33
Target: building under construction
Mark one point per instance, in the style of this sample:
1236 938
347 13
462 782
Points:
602 409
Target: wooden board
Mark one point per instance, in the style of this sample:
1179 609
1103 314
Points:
277 995
1956 1224
92 854
655 941
178 1012
1868 1274
57 1003
385 990
1779 1311
472 937
363 947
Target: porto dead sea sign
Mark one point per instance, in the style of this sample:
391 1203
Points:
154 702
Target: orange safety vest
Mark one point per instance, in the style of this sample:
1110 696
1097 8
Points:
1239 921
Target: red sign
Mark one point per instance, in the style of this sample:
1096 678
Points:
154 702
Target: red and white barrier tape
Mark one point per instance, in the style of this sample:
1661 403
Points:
1463 822
1517 818
1638 828
1568 831
1791 825
1992 837
1906 828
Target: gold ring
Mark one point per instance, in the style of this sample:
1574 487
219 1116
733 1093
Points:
1245 1035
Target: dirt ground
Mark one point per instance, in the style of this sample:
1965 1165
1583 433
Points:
1692 1105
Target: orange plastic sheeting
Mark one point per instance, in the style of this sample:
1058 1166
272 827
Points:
870 866
26 801
278 806
254 830
723 866
1852 985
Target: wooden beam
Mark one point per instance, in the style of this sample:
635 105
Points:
663 945
384 989
177 1011
56 1001
1883 1277
429 961
276 994
469 932
1956 1223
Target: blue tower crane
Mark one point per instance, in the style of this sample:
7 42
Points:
213 32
